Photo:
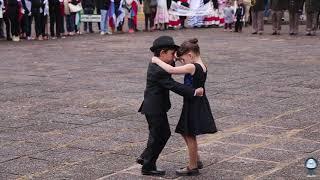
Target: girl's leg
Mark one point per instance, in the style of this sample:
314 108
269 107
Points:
193 151
198 156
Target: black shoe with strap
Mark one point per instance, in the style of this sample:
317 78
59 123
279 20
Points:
188 172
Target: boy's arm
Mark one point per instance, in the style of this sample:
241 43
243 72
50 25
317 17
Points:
167 82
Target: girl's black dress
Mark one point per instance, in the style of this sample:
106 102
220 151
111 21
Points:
196 117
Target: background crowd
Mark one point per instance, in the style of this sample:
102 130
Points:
60 18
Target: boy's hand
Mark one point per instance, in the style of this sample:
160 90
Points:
199 92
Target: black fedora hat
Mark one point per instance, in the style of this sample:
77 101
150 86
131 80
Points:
163 42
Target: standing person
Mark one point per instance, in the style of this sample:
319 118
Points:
88 8
213 18
257 10
134 14
6 20
222 4
228 17
24 19
104 5
69 18
183 18
294 7
44 19
1 19
162 15
129 14
195 21
153 8
174 20
156 103
119 14
196 117
98 11
55 19
313 11
62 23
148 22
36 10
277 9
77 17
240 13
13 14
112 14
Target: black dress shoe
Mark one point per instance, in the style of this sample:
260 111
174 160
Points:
254 33
274 33
139 160
188 172
153 172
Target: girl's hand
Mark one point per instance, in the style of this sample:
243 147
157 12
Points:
155 59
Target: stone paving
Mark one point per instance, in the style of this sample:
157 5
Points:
68 107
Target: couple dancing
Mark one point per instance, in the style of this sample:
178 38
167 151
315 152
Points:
196 117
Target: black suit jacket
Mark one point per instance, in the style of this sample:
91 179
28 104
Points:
156 95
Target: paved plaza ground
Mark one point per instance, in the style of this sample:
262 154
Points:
68 107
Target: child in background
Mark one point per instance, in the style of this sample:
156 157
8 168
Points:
228 17
129 14
162 15
240 12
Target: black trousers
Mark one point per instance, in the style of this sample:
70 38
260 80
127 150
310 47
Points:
99 12
44 21
159 134
182 20
13 13
85 24
1 28
26 25
8 26
55 20
37 23
238 25
148 20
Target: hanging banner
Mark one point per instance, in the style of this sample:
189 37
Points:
179 10
90 18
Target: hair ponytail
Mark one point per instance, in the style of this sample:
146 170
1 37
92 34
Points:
190 45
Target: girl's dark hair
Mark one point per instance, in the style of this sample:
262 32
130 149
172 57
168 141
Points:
187 46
